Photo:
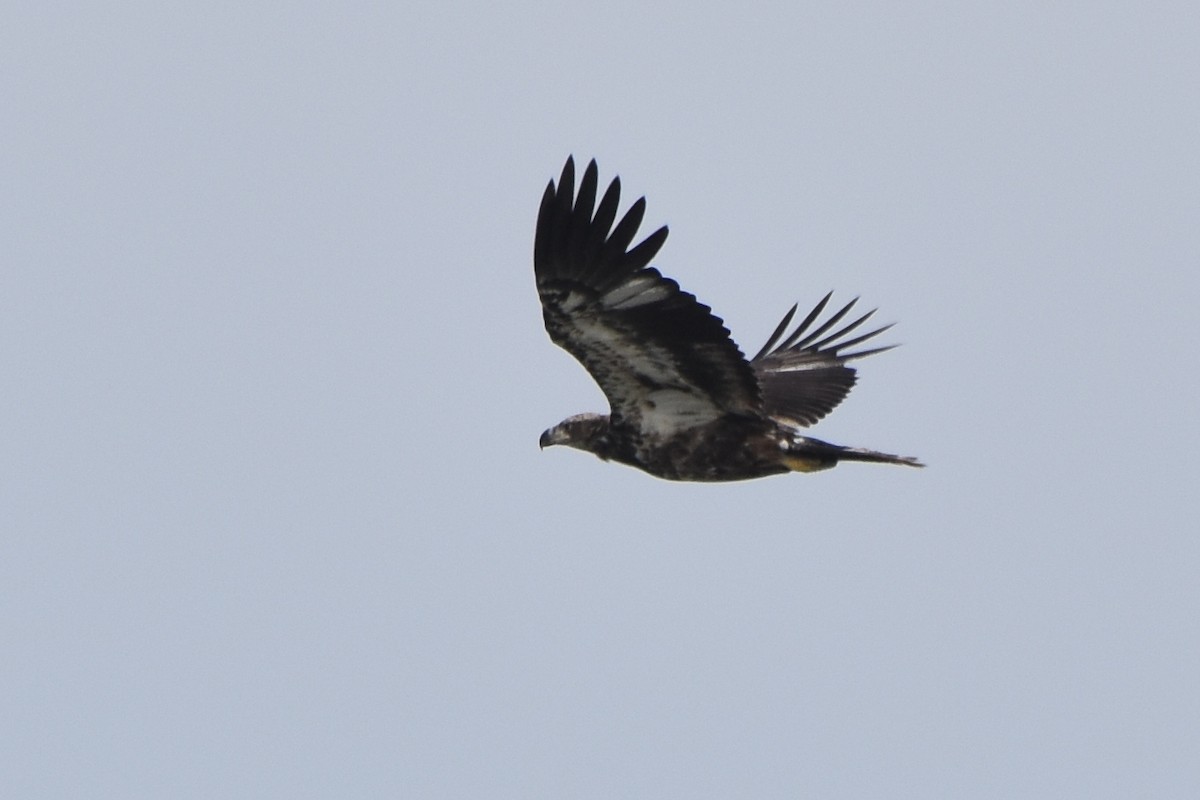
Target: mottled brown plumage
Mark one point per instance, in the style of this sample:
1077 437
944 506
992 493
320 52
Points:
685 403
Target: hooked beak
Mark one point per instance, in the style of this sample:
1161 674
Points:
545 441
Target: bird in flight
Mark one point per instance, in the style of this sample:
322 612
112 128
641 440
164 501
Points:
685 404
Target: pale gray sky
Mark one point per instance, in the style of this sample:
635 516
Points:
275 521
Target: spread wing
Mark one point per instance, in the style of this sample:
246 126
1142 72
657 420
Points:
805 376
664 361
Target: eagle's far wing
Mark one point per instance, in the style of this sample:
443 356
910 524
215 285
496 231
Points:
805 376
664 361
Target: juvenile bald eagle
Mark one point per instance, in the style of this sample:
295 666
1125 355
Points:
685 403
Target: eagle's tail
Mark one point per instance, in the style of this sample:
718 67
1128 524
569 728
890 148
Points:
806 454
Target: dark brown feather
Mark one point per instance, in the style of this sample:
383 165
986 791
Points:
805 376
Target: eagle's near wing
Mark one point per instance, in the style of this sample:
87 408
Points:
805 376
664 361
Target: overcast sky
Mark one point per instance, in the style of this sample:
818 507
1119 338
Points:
275 521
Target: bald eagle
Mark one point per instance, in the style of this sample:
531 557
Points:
685 404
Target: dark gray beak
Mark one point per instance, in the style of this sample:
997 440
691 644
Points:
545 442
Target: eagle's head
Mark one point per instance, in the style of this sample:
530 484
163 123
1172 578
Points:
583 432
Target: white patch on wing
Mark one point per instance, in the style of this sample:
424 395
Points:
803 366
667 411
655 363
572 301
637 291
796 427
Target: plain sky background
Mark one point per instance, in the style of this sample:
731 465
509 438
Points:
275 521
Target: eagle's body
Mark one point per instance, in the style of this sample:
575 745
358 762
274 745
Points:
685 403
729 448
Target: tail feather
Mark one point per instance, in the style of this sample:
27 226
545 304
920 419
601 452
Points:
806 454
